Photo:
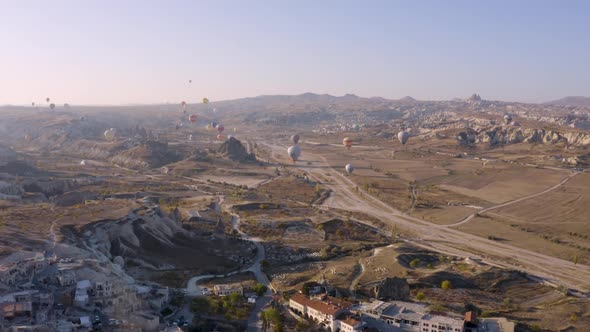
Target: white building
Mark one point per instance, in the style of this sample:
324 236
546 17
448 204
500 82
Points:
227 289
81 298
410 316
350 324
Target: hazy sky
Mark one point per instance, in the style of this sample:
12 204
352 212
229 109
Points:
124 51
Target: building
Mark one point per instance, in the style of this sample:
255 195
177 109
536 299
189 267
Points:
81 298
21 266
17 304
66 278
228 289
323 309
410 316
350 324
103 289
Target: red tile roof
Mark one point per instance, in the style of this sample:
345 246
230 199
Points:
328 305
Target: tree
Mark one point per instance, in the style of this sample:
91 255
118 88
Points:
446 285
234 298
259 289
272 316
574 317
420 296
305 290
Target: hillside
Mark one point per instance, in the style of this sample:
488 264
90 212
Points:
578 101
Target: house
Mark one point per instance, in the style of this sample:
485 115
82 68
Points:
21 266
66 278
17 304
323 309
347 323
158 298
81 297
85 321
227 289
43 299
103 289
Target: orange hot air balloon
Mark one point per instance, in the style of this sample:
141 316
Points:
347 142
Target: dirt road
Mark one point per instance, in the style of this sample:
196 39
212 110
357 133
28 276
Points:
471 216
439 238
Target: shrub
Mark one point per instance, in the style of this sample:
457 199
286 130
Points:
446 285
420 296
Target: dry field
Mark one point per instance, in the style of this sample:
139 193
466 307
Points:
502 230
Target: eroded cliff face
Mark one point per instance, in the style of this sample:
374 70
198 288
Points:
513 135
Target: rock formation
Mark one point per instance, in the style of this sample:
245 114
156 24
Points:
235 150
393 289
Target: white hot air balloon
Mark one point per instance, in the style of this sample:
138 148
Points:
294 152
110 134
403 136
349 168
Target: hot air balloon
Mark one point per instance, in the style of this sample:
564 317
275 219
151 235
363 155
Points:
347 142
213 124
208 127
110 134
183 104
220 137
205 100
47 99
294 152
52 106
349 168
192 118
295 138
235 129
403 136
83 163
230 137
33 104
507 118
220 128
190 137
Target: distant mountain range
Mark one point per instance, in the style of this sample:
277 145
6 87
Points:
571 101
